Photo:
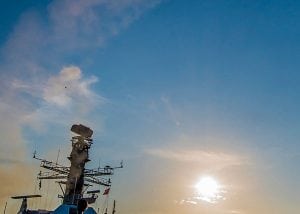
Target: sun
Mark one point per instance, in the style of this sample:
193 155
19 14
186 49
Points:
208 189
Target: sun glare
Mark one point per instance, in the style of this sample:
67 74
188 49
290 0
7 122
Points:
208 189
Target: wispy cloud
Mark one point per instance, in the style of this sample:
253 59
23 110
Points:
40 42
75 22
202 157
235 212
171 111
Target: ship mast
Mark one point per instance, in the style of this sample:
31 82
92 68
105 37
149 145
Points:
76 177
78 157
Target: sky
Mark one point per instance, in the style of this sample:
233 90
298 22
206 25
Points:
179 90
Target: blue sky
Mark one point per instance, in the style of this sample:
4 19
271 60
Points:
185 88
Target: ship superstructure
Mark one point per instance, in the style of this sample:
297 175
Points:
74 180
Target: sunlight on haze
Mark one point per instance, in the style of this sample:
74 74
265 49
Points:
209 190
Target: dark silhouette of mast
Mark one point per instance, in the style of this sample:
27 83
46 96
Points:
78 157
76 177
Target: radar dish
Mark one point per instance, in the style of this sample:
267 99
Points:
82 130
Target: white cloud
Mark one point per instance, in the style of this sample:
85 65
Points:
69 86
66 97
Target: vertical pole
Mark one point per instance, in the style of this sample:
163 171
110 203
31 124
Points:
57 157
74 191
5 207
114 207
